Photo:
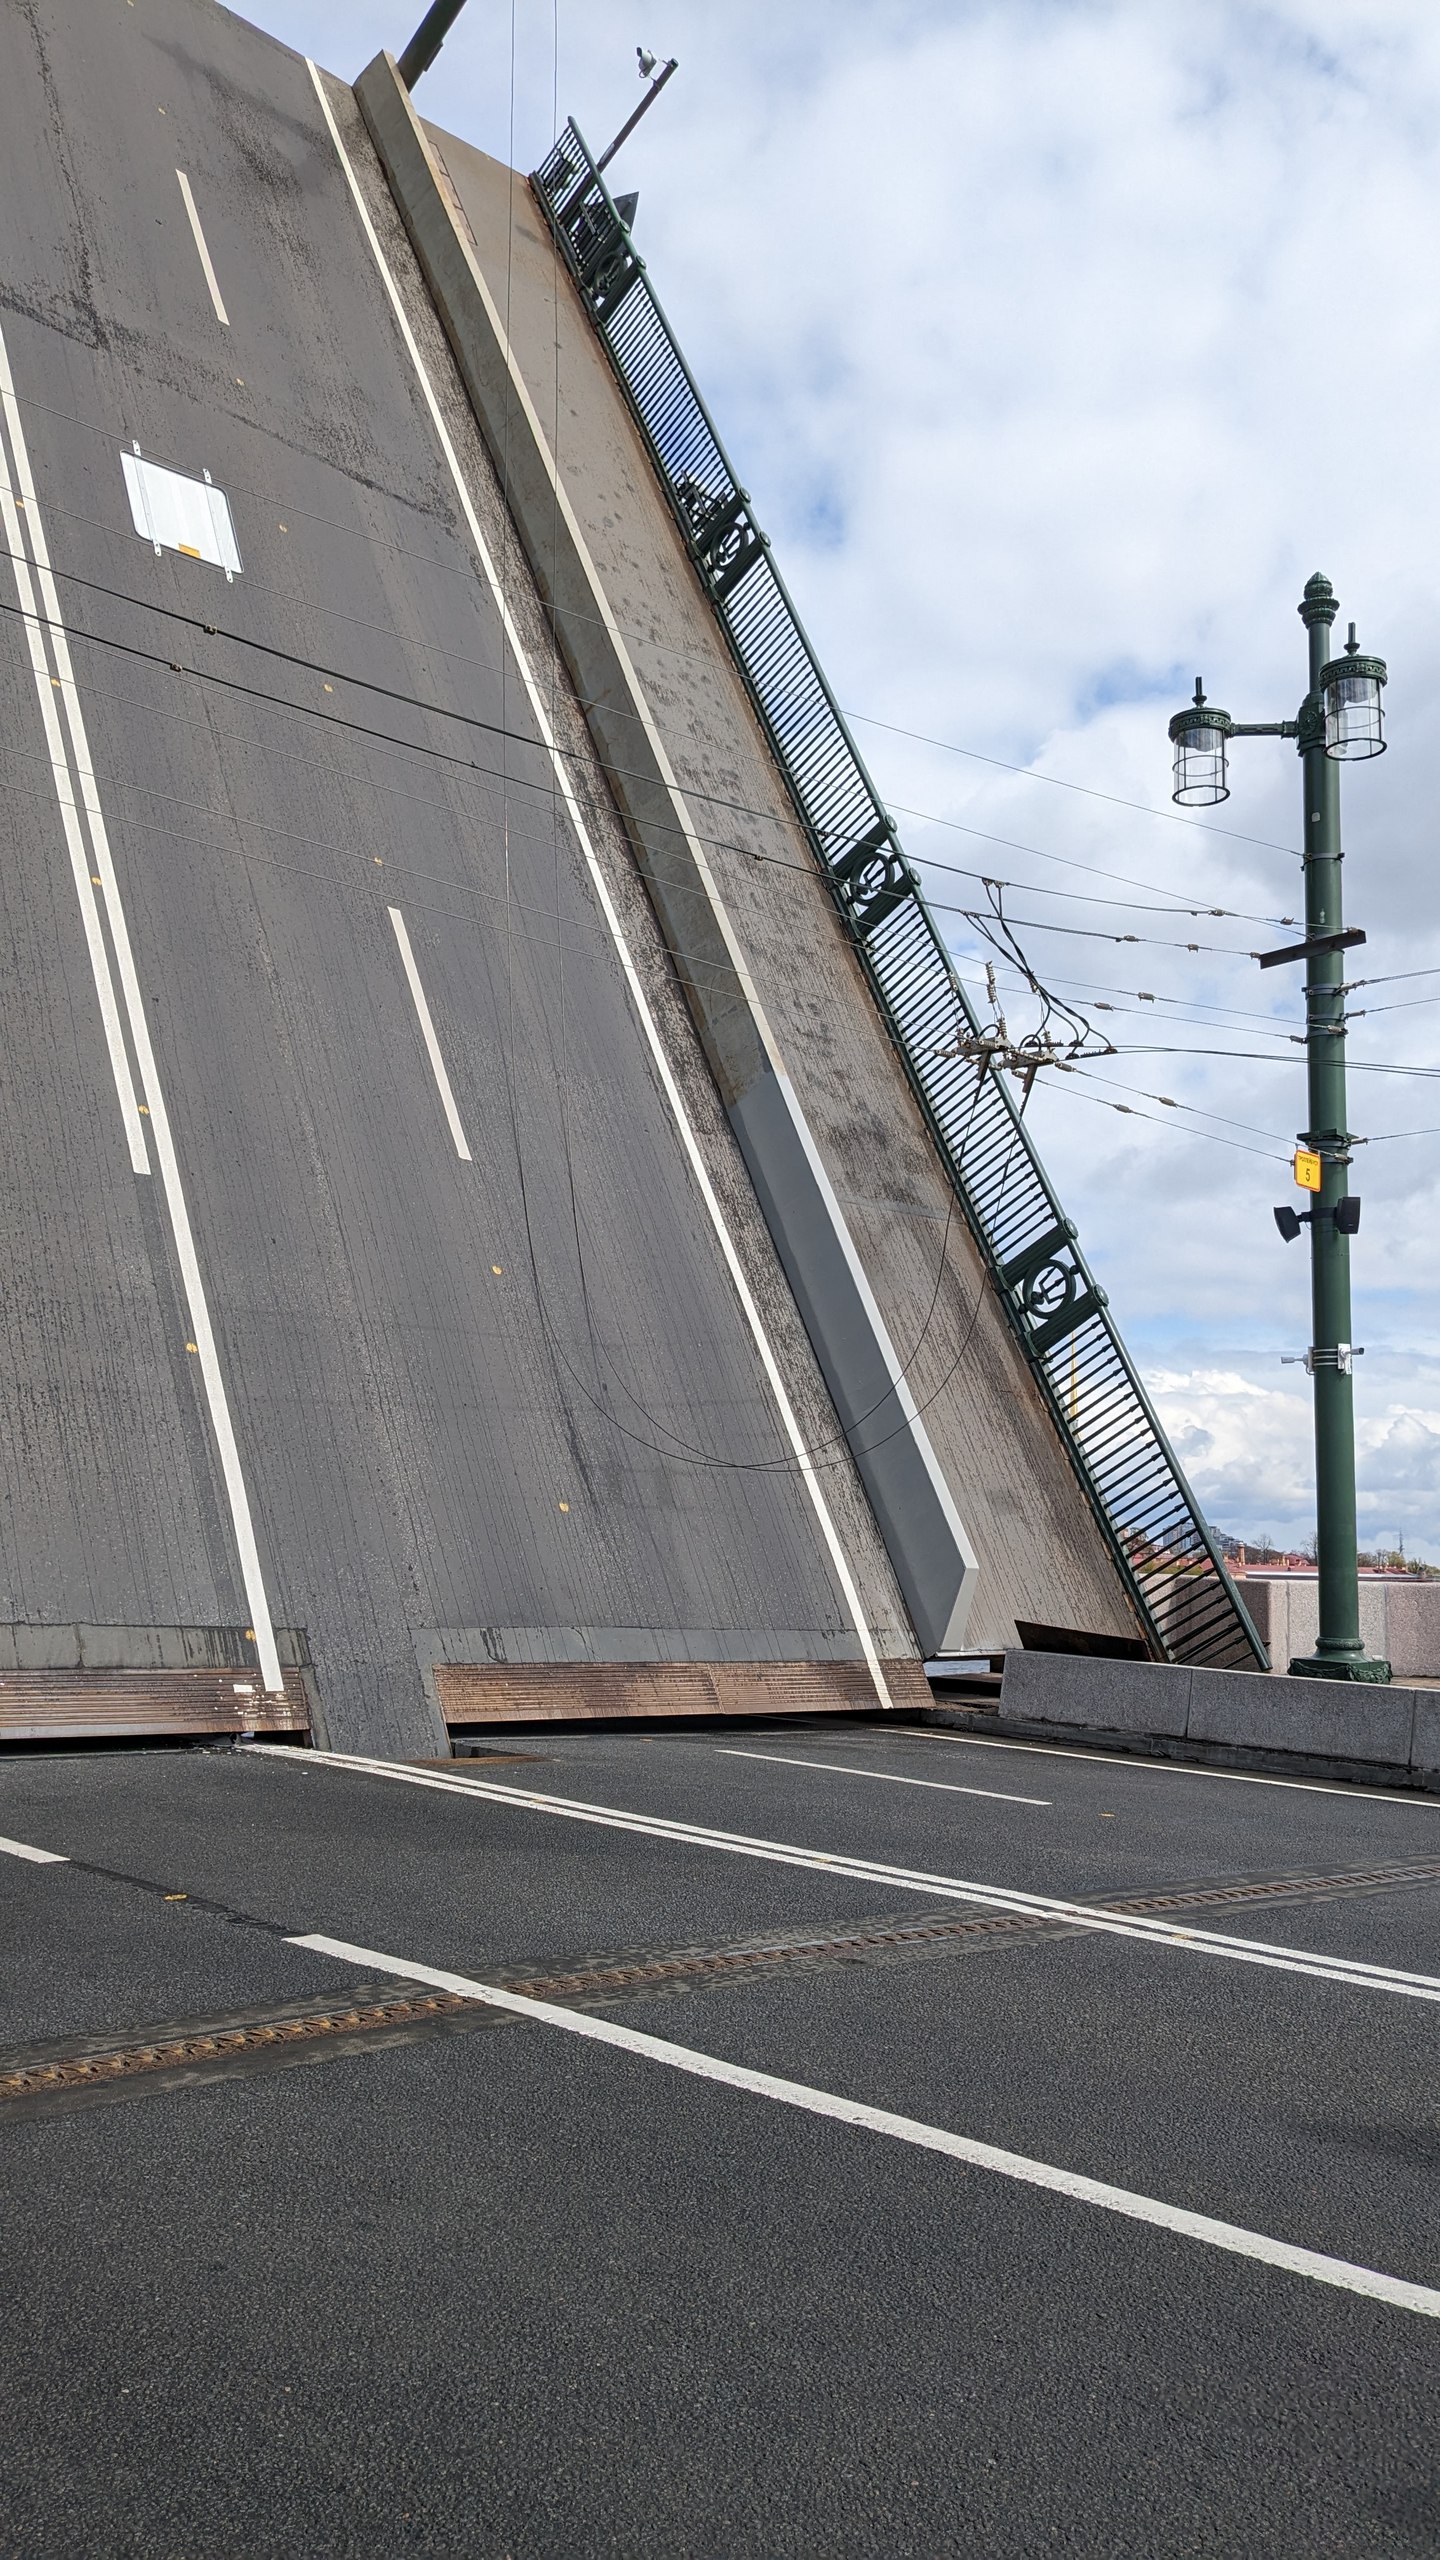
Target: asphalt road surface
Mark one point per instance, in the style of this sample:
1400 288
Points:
475 1338
830 2184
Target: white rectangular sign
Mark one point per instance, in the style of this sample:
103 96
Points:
177 513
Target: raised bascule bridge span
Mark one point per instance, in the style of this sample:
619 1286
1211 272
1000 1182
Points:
497 1224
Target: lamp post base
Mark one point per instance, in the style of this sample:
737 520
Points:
1354 1666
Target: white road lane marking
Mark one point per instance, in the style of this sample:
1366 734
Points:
565 786
37 1857
783 1760
1395 2291
1356 1794
70 821
427 1033
248 1553
221 314
1350 1970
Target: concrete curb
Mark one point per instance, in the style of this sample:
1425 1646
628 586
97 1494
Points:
1217 1719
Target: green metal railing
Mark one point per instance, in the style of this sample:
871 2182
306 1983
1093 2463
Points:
1165 1554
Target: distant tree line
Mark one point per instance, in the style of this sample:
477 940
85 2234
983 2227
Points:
1261 1551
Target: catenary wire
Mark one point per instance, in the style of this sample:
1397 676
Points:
314 711
1267 1058
426 560
1170 1103
1128 1111
472 720
1027 773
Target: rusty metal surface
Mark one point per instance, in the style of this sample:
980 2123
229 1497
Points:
83 2071
525 1692
89 1706
59 2075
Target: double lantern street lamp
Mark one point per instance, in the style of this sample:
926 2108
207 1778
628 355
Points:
1340 721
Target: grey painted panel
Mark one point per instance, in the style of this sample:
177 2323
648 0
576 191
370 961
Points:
921 1527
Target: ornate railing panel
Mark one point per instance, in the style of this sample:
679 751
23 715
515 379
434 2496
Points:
1163 1549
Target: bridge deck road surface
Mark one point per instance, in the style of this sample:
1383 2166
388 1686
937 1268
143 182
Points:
512 2292
466 1388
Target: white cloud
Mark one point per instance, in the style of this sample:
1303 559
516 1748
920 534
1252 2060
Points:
1059 340
1246 1447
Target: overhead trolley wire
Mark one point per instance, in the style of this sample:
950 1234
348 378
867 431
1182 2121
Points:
1267 1058
1170 1103
695 964
1093 933
1146 995
501 729
1128 1111
1027 773
585 757
427 560
464 765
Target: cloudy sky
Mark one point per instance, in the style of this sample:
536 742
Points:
1058 341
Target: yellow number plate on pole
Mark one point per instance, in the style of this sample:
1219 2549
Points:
1308 1169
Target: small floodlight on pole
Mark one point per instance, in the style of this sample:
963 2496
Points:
647 65
1340 721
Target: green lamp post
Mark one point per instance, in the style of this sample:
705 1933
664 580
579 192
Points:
1341 720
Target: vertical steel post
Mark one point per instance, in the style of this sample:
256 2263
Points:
1339 1653
429 36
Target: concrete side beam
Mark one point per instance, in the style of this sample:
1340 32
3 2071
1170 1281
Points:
932 1555
1394 1731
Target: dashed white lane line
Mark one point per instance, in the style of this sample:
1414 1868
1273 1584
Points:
888 1777
566 789
221 314
1230 2236
1350 1970
37 1857
427 1034
1136 1762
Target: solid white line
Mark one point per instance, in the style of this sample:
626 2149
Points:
427 1033
565 786
783 1760
1351 1970
221 314
70 820
1230 2236
198 1309
1137 1763
37 1857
